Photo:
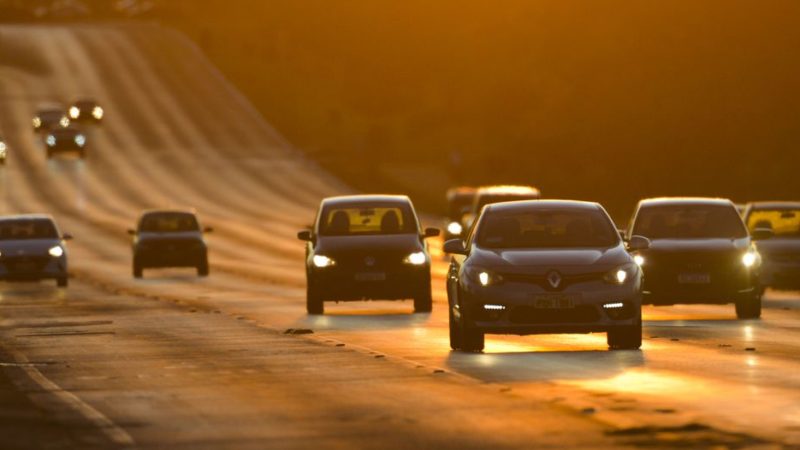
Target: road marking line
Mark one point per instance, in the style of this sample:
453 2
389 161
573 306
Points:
98 419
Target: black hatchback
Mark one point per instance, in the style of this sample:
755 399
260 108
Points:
367 247
169 238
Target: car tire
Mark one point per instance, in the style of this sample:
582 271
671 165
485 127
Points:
62 281
202 269
314 303
472 340
455 331
749 307
49 154
625 338
82 154
423 302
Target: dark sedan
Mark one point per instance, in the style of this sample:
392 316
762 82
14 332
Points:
701 252
169 238
65 140
781 254
367 247
86 110
50 118
32 248
546 266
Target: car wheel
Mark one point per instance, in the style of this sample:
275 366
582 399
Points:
472 339
49 154
202 269
625 338
749 307
62 282
423 302
82 154
455 332
314 303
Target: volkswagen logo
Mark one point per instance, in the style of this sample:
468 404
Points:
554 279
369 261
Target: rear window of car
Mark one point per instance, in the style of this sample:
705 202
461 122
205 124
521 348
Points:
12 230
689 221
544 228
782 222
169 223
366 219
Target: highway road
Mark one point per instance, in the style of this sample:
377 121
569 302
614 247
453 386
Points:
174 361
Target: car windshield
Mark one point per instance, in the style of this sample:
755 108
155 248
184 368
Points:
51 116
782 222
547 228
169 223
487 199
367 218
19 229
689 221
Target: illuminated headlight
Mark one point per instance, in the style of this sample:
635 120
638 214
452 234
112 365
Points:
639 260
51 140
74 112
622 274
2 149
80 140
322 261
454 228
749 258
416 259
56 252
97 112
37 122
484 277
64 122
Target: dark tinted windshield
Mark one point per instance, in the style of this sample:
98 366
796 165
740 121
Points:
487 199
782 222
51 116
689 222
364 219
543 228
12 230
169 223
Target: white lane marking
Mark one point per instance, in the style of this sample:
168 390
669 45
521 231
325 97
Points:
98 419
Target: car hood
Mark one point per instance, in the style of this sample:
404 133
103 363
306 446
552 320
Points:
331 245
697 245
779 245
179 236
508 259
27 247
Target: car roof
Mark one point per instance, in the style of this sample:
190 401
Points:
348 199
685 201
26 217
774 205
542 204
507 189
169 211
461 191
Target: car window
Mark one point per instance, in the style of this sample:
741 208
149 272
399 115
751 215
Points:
543 228
782 222
689 222
13 230
365 219
169 223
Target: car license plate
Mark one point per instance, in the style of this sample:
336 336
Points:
553 301
371 276
694 278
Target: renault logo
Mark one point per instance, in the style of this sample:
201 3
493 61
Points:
369 261
554 279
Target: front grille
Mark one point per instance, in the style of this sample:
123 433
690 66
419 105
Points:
531 315
25 264
541 280
176 245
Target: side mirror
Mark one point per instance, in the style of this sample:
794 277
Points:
208 230
455 246
636 243
759 234
66 237
430 232
304 235
132 232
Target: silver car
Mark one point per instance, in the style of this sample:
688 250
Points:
544 266
32 249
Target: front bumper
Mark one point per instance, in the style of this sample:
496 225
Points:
344 284
524 313
665 288
32 268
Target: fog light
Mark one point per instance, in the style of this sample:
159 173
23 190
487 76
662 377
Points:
614 305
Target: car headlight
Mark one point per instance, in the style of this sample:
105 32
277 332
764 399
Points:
80 140
639 260
97 112
749 258
622 274
416 259
483 276
37 122
64 122
322 261
454 228
74 112
56 252
51 140
2 149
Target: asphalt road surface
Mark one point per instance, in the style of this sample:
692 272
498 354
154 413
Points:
173 361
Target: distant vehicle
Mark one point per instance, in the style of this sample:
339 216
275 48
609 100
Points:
459 203
50 118
169 238
367 247
86 110
32 249
65 140
780 255
701 252
497 194
3 151
549 266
